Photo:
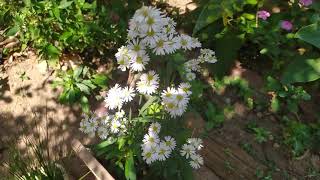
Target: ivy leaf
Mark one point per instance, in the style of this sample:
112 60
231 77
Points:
130 171
310 34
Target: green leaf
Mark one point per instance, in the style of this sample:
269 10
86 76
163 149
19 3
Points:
301 70
84 104
100 80
52 51
89 84
83 88
64 4
275 104
210 13
77 72
310 34
226 51
147 104
130 171
104 144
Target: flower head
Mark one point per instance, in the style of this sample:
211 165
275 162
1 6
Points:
187 150
286 25
306 2
196 161
149 83
263 14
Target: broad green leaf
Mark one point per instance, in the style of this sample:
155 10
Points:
130 171
301 70
64 4
211 12
89 84
310 34
226 51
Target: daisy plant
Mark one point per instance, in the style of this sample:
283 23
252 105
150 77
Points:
143 131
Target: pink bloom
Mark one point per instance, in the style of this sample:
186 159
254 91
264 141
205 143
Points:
305 2
263 14
286 25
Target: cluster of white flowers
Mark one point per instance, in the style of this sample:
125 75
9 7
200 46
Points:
117 96
189 150
154 149
149 28
175 101
113 124
193 65
149 83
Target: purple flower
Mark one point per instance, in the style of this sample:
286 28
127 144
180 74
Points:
263 14
305 2
286 25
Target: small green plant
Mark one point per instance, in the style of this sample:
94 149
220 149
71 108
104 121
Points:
34 165
78 85
261 134
288 95
241 84
214 116
298 137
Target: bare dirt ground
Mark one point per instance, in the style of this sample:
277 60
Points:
29 108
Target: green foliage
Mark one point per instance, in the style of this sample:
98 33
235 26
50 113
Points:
78 85
301 70
241 84
63 25
33 165
261 134
288 95
298 136
310 34
214 116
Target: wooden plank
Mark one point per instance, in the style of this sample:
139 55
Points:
229 162
95 167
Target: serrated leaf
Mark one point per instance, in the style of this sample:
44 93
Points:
310 34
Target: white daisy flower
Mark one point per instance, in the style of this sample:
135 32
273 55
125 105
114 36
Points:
190 76
138 61
114 98
192 65
150 140
185 87
120 114
196 161
103 132
154 128
187 150
186 42
149 83
149 154
170 142
123 58
163 152
115 126
195 142
89 125
137 46
128 94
